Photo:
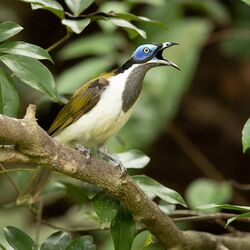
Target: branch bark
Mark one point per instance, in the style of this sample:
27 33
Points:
33 145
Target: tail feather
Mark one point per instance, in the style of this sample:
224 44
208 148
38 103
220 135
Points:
35 186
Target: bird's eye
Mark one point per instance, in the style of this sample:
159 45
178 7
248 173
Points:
146 50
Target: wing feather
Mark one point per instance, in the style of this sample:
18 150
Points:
84 99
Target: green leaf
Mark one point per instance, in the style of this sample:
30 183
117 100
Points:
90 190
153 187
132 30
18 239
97 44
166 207
246 136
144 240
245 215
31 72
123 230
149 241
50 5
25 49
35 6
217 11
114 7
133 159
226 206
82 243
9 29
131 17
74 191
74 77
105 206
9 99
76 26
78 6
58 240
204 191
246 1
150 2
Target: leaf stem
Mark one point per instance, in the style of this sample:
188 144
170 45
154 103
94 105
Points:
4 171
2 247
10 179
58 43
38 220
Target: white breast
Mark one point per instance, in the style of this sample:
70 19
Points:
103 120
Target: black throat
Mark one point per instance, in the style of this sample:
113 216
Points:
125 66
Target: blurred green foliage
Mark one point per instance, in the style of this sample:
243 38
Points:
246 136
245 210
205 191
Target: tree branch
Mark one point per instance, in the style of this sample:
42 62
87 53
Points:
189 215
201 240
33 145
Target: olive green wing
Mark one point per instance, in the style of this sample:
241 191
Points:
84 99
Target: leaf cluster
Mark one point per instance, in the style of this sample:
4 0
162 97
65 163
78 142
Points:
20 60
19 240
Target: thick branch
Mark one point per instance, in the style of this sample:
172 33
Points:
201 240
35 146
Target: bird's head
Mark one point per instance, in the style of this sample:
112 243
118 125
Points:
147 56
151 54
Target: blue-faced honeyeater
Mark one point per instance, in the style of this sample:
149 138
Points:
99 109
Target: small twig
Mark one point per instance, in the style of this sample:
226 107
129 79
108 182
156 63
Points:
198 158
10 179
58 43
35 212
221 247
30 112
194 154
197 216
75 229
2 247
67 229
15 170
227 34
240 186
38 220
229 228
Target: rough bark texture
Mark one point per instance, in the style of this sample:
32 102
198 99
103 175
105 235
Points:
33 145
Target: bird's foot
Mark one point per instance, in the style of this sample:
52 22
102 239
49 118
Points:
116 162
85 151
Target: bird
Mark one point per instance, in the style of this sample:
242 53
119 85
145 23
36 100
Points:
98 110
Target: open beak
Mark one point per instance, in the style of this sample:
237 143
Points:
160 59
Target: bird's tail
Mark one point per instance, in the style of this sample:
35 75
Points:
35 186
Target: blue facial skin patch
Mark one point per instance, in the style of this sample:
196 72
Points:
144 52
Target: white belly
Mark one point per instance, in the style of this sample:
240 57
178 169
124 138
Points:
102 121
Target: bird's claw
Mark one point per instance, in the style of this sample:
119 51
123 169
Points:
115 162
85 151
118 164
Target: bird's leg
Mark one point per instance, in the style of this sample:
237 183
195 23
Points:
102 152
86 151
